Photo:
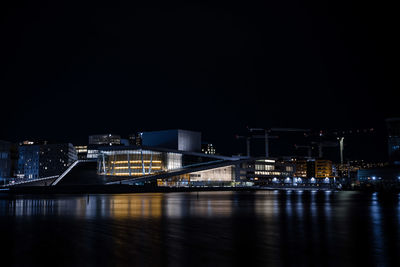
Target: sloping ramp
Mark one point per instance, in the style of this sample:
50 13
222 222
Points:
80 173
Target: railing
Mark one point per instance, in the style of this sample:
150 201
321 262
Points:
65 172
31 181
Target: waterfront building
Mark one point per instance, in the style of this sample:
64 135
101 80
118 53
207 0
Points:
350 169
28 161
82 152
99 140
178 139
167 166
266 171
323 168
301 167
319 168
104 139
38 161
171 167
393 128
388 177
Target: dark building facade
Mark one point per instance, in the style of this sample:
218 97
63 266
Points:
135 139
393 128
104 139
386 177
182 140
8 158
38 161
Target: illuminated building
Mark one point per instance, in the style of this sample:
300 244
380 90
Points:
319 168
135 165
351 168
28 161
27 142
264 171
208 148
81 151
182 168
390 176
37 161
393 128
136 162
219 176
135 139
105 139
323 168
182 140
301 167
96 141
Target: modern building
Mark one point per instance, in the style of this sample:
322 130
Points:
181 140
266 172
301 167
104 139
388 177
351 168
82 152
99 140
38 161
28 161
323 168
167 166
135 139
393 128
319 168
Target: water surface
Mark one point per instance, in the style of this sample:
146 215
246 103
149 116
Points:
263 228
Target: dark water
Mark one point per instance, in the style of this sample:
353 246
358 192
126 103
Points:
265 228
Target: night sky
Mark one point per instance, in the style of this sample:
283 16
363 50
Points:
72 69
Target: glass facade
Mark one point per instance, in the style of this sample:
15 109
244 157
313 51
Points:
141 162
132 163
38 161
136 162
222 176
104 139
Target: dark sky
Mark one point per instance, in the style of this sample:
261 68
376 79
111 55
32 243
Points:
73 69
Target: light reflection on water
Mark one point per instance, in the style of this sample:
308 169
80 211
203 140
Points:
225 228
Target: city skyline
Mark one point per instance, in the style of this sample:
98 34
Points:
199 133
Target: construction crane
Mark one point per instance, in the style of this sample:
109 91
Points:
247 143
266 136
322 144
309 148
341 145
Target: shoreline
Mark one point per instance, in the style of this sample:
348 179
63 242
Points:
125 189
